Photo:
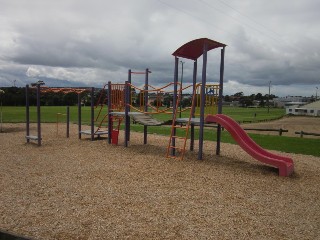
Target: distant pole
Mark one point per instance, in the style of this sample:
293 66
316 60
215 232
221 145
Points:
269 97
181 80
316 93
1 93
79 115
68 121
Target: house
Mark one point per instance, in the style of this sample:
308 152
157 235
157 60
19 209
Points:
311 109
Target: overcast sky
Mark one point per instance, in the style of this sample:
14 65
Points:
88 43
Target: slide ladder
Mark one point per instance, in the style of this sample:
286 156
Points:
284 164
177 144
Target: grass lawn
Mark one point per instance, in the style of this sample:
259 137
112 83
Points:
281 143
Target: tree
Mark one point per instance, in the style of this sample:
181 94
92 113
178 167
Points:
167 100
227 98
238 94
186 102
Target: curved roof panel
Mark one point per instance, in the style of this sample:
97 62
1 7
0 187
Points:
194 49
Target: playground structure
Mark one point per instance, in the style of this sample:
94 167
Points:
193 50
204 96
42 89
206 108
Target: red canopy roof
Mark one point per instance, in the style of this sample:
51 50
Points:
194 49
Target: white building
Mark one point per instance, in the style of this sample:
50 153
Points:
290 101
311 109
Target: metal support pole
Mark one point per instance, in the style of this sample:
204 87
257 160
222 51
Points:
79 115
181 80
126 117
129 97
220 100
193 103
68 121
269 97
109 97
1 120
27 113
92 114
203 98
174 102
145 128
38 115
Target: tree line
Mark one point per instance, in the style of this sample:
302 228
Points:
16 96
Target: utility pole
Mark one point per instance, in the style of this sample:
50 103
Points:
181 79
316 93
269 97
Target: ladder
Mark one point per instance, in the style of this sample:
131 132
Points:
103 120
177 144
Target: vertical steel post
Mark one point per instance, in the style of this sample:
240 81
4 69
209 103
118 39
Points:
203 98
129 97
109 97
145 128
174 100
27 114
127 119
68 121
92 114
38 115
194 83
79 115
220 100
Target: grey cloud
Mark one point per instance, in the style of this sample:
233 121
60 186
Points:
97 41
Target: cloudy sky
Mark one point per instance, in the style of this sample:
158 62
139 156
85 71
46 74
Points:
88 43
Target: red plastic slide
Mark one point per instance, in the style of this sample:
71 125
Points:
284 164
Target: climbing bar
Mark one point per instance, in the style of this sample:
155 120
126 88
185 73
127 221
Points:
153 88
44 89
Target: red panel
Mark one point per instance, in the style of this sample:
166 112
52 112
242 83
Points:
194 49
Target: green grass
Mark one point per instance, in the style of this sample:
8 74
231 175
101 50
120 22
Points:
282 143
298 145
239 114
48 114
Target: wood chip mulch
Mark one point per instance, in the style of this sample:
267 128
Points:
82 189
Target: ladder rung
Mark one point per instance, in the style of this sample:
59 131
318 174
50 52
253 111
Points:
178 137
182 127
179 148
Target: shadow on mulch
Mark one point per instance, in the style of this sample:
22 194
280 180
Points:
10 236
13 129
